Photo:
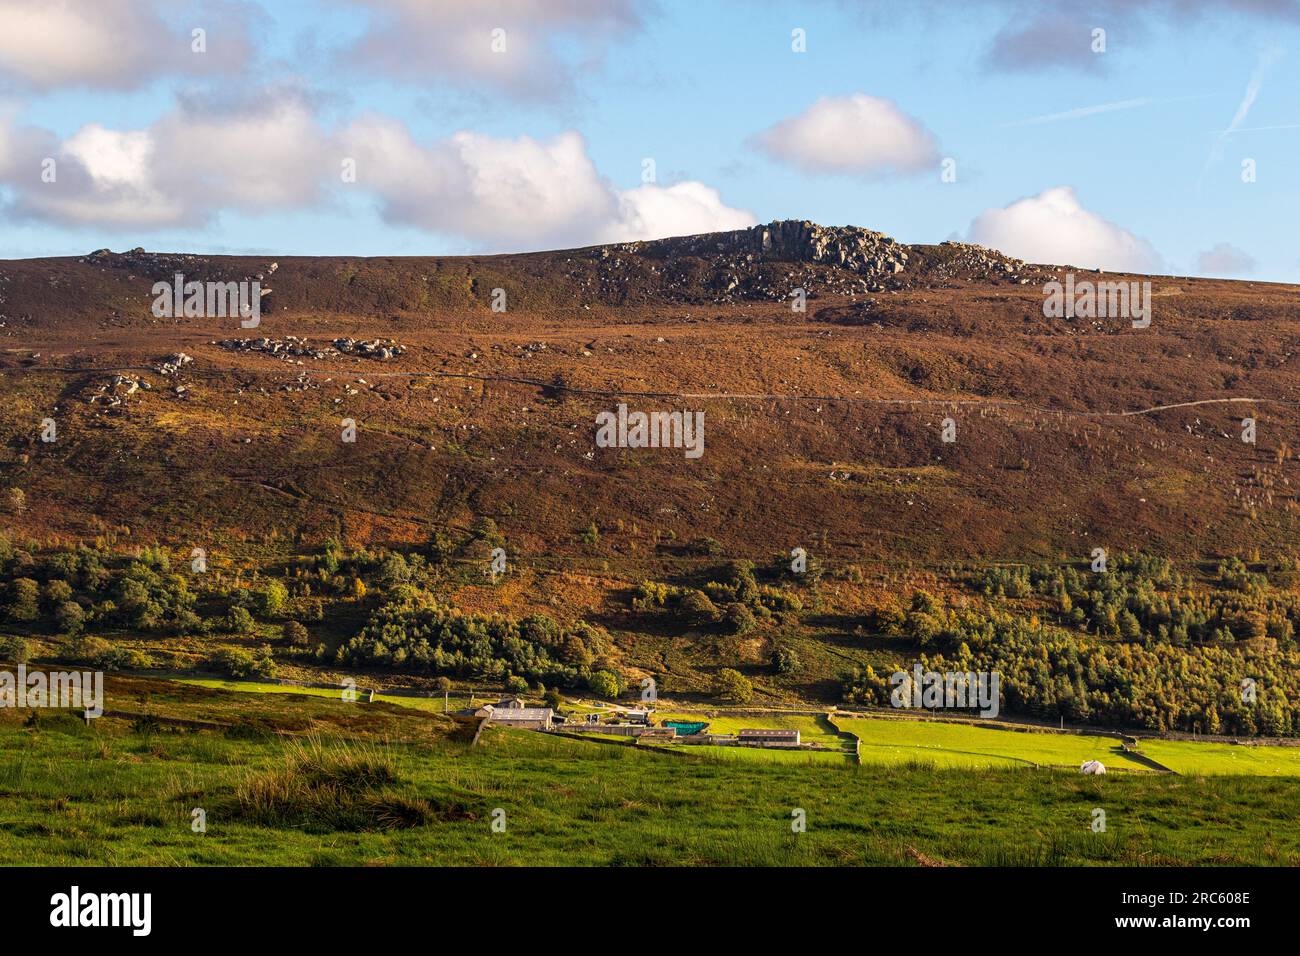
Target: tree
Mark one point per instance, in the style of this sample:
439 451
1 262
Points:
69 617
516 684
732 685
232 661
239 621
295 635
442 684
56 592
394 570
272 599
785 660
552 698
239 663
485 529
24 602
15 650
574 651
697 606
739 618
605 683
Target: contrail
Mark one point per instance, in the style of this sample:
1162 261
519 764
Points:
1266 59
1255 129
1102 108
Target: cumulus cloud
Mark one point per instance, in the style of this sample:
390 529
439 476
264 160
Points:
180 171
1225 259
454 41
1054 227
118 44
683 209
857 134
520 193
269 151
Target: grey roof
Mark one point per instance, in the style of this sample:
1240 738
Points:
521 713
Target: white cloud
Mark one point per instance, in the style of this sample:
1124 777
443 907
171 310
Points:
111 158
452 41
181 170
1054 227
265 152
509 194
851 134
485 189
269 151
1225 259
684 209
118 44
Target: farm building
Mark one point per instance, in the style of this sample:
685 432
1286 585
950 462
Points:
529 718
767 737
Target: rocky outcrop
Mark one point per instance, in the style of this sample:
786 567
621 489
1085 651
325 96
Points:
862 251
769 262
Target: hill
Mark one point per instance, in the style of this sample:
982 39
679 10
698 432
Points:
391 421
829 418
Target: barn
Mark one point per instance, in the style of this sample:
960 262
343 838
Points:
769 737
527 718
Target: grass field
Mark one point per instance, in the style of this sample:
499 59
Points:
433 704
1182 756
816 730
305 779
114 794
893 742
890 741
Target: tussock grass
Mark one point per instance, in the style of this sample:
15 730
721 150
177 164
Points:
321 788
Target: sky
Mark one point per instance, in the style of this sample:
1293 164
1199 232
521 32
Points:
1148 135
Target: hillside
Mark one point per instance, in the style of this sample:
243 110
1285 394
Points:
384 429
829 418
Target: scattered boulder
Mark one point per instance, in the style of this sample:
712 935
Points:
173 363
115 390
381 349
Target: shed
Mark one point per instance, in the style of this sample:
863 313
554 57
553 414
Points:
529 718
769 737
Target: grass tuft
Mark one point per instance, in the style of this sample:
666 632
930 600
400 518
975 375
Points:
317 788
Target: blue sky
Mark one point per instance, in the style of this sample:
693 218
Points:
460 149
